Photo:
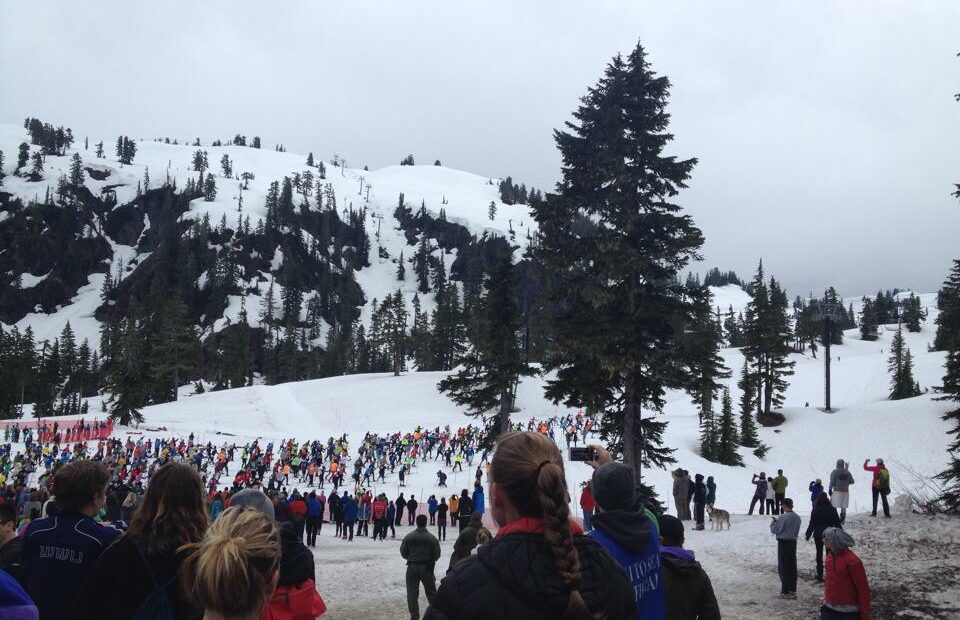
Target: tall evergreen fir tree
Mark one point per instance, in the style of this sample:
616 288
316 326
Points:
912 314
868 321
767 334
76 170
708 435
748 425
421 264
421 339
210 188
726 445
615 243
948 321
449 331
401 268
23 156
487 383
950 391
125 377
37 159
700 344
900 366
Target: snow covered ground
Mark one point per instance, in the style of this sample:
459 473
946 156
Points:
913 562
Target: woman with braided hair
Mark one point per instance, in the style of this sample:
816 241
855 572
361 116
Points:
539 565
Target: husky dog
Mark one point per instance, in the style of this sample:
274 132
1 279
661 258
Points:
718 517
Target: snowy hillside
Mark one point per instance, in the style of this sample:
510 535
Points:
464 199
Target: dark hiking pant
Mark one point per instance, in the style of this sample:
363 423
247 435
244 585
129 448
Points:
832 614
313 526
417 574
698 513
441 530
877 494
771 507
753 502
819 543
787 565
778 497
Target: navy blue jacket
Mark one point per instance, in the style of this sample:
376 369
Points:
350 510
57 553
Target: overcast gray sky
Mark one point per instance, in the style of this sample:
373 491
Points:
826 131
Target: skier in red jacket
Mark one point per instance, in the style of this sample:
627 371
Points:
846 594
380 506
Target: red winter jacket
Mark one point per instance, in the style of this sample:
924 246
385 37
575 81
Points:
299 602
876 473
846 582
586 499
379 509
297 509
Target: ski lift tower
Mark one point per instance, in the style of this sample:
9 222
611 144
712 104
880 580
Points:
828 313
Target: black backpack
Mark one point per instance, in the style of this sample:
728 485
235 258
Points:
156 605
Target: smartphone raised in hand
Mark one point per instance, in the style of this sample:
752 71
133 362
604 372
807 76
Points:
583 454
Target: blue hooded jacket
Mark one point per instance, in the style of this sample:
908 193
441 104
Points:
633 540
478 505
350 509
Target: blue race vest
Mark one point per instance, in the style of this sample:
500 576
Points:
643 571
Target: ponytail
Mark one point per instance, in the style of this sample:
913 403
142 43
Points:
232 570
529 469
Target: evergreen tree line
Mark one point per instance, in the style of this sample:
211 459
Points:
715 277
53 141
512 193
54 376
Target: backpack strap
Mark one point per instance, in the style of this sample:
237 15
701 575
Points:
153 578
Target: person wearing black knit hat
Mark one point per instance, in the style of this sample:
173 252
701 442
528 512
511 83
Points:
627 532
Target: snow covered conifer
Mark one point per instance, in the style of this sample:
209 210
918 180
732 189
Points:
767 334
615 269
37 159
948 321
76 170
950 391
726 443
487 383
748 425
210 188
868 321
23 156
900 366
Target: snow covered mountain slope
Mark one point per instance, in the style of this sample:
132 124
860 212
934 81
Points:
463 198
